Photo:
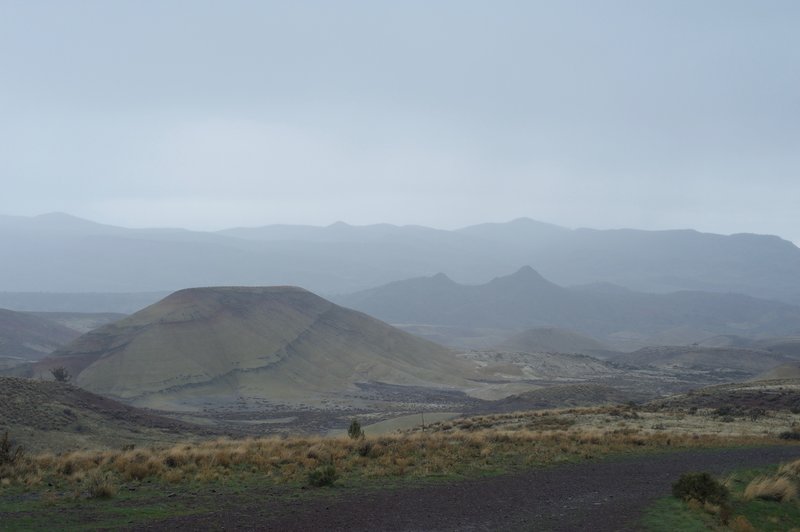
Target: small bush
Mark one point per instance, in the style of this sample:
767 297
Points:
323 476
8 453
100 486
354 430
701 487
789 435
364 448
61 374
724 411
66 468
741 524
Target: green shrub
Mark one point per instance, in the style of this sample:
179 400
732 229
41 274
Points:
701 487
789 435
364 448
323 476
724 411
354 430
8 453
61 374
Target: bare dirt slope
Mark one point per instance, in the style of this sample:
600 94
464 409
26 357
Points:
599 496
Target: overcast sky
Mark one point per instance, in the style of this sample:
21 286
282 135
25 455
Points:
213 114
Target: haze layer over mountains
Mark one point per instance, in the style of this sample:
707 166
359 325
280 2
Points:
60 253
229 326
619 317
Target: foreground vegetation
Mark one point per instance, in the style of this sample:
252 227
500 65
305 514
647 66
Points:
747 500
34 486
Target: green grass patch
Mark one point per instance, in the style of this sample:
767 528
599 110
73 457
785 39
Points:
669 513
24 511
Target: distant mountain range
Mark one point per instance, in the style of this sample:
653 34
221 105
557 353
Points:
618 317
58 253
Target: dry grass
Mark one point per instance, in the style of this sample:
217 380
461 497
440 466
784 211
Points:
741 524
780 487
701 421
483 443
792 469
771 488
100 485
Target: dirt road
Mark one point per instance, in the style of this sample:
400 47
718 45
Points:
597 496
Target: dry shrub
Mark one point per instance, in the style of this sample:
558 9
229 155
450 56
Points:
792 469
174 476
489 441
223 458
178 456
138 465
777 488
207 474
100 486
741 524
318 452
66 468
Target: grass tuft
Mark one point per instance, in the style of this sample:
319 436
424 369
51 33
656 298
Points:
323 476
771 488
99 485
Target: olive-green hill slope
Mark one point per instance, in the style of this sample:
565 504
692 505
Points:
786 371
280 344
52 416
29 337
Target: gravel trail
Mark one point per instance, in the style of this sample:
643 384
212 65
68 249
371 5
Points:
599 496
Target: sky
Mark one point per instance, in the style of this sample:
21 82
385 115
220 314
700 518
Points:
212 114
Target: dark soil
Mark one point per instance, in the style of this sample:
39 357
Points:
599 496
771 396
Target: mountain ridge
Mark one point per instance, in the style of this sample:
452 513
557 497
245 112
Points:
342 258
624 319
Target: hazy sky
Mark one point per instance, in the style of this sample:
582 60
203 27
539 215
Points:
650 114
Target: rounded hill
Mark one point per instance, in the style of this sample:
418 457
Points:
203 346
